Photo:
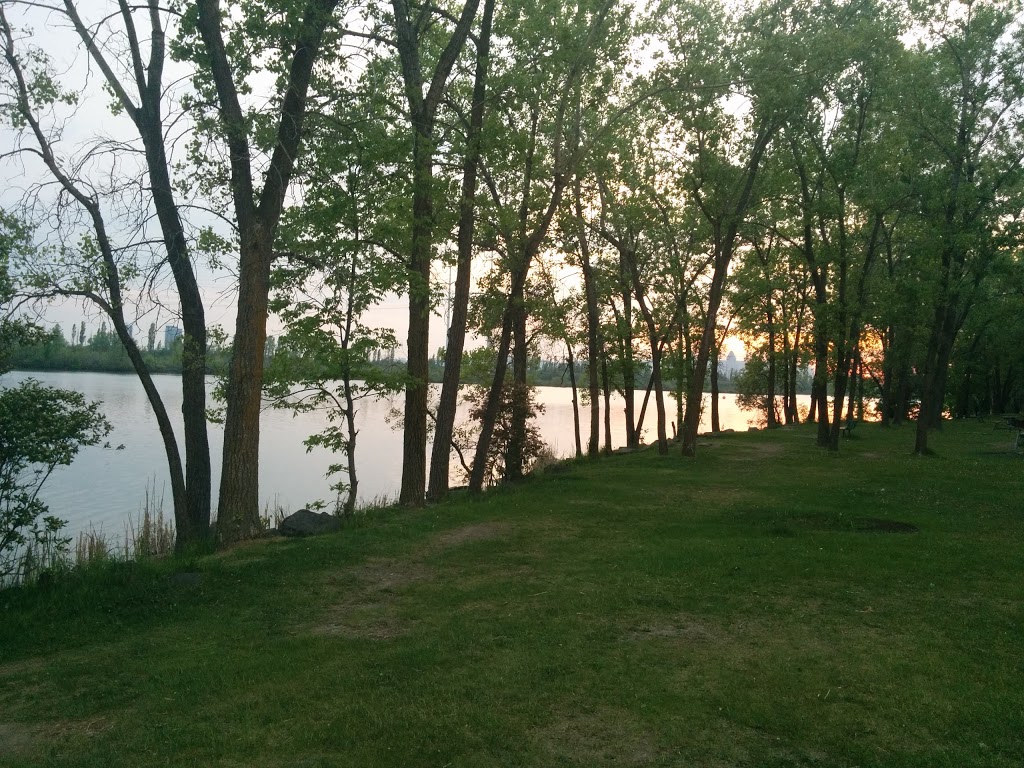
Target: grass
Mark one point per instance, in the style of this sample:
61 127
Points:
751 607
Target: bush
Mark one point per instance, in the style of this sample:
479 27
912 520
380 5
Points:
476 397
41 428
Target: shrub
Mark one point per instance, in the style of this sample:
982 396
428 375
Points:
41 428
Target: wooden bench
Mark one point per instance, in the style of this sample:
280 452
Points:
848 427
1013 422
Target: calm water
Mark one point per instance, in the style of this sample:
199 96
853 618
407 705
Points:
106 486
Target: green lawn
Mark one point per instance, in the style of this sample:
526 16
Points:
752 607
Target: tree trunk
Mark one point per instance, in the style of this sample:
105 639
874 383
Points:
819 387
350 449
726 228
194 524
607 405
414 435
492 406
716 421
695 392
593 326
178 484
575 399
772 422
423 96
198 478
628 368
936 370
515 458
238 506
852 398
440 458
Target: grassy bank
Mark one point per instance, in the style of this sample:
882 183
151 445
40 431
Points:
757 606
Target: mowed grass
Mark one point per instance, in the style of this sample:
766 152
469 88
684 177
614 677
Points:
753 607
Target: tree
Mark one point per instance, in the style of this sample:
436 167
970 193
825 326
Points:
15 243
440 457
964 108
424 89
256 211
755 387
535 145
840 146
99 267
554 310
330 276
769 298
495 463
723 151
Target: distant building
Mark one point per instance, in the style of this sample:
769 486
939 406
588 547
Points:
171 334
730 366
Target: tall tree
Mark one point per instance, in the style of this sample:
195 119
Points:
725 158
544 81
257 214
140 92
424 89
440 457
964 106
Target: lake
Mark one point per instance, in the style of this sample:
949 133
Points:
106 486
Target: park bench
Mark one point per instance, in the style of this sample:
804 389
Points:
1017 423
848 427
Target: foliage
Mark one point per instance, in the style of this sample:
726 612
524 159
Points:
534 446
752 386
15 241
41 428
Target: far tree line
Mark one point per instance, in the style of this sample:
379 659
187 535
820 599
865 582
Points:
838 183
100 351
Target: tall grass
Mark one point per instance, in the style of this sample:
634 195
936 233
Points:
150 534
93 546
273 513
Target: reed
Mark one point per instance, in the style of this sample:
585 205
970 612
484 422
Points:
150 534
93 546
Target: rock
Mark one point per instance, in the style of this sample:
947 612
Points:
308 523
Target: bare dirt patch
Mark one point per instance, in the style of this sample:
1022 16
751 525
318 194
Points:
25 666
467 534
755 451
367 608
604 737
24 739
369 594
19 739
682 627
370 621
254 549
389 575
